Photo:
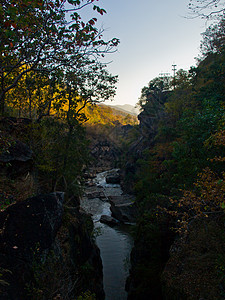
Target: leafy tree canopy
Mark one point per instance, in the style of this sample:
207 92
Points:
45 36
155 90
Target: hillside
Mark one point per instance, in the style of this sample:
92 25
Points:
106 115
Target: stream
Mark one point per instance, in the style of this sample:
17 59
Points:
115 243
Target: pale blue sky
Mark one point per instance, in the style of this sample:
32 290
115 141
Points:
153 36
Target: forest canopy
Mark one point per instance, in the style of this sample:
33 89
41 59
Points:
48 49
51 70
185 160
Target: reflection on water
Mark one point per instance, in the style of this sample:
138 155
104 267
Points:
115 246
114 243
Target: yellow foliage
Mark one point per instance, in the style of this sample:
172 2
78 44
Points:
206 199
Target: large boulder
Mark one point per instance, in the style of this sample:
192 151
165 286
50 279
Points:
108 220
18 160
113 178
17 152
95 194
123 208
25 227
33 221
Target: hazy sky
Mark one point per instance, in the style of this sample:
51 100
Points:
154 34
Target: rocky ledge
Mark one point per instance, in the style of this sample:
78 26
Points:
24 227
123 208
109 220
113 178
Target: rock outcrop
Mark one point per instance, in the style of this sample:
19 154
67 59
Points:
148 258
123 208
109 220
113 178
47 251
46 248
26 226
149 119
17 160
85 257
17 152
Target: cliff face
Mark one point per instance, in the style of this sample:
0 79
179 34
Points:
153 237
146 132
26 226
148 258
47 249
190 267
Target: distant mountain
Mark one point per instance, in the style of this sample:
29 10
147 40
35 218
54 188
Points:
127 108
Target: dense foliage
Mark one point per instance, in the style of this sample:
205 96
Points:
50 70
190 125
180 174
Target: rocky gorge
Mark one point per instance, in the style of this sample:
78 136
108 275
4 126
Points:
47 241
80 244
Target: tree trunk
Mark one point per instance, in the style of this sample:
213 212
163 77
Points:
2 105
2 97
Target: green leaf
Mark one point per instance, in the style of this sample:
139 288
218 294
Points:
222 205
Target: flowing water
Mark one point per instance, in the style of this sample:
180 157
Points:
115 243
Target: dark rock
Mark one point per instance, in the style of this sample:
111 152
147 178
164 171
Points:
123 209
85 255
124 212
114 179
148 258
24 227
33 221
17 152
108 220
18 160
149 119
15 126
117 200
96 194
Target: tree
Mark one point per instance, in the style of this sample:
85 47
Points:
178 99
207 8
213 39
207 197
43 36
155 91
